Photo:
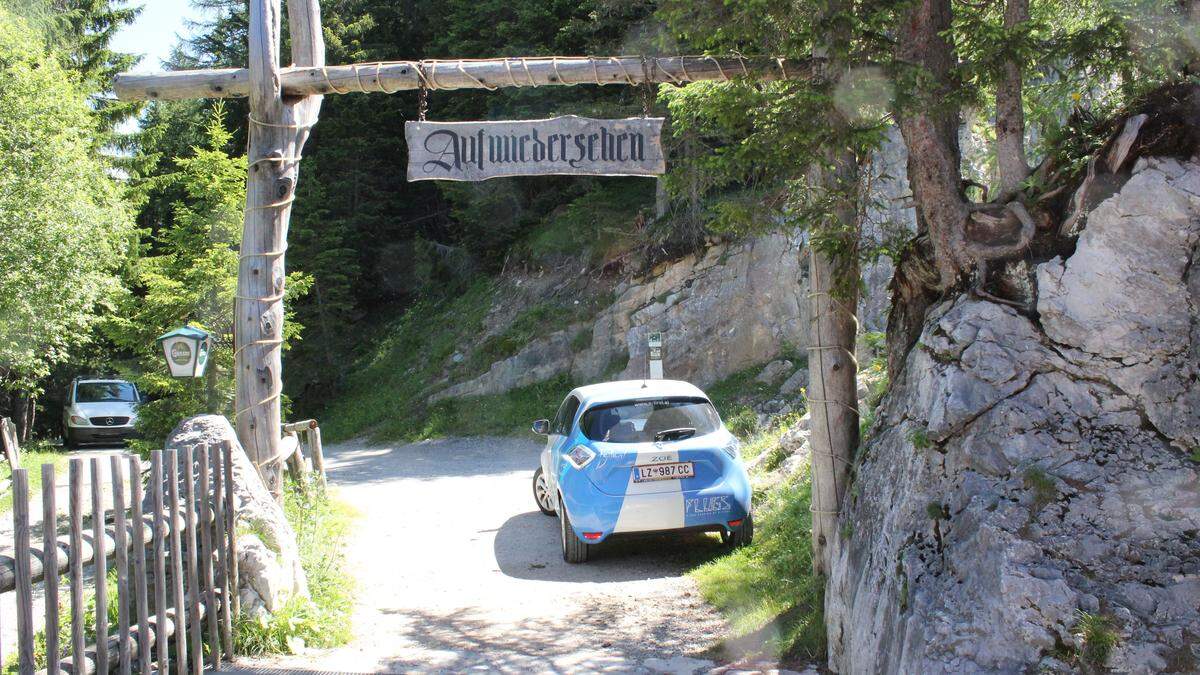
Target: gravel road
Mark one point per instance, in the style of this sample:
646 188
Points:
458 570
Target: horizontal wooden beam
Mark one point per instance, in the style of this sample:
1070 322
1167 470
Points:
393 76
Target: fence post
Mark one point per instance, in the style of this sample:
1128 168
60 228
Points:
193 582
99 565
160 561
78 648
219 460
318 454
231 532
20 498
50 564
141 599
180 615
121 546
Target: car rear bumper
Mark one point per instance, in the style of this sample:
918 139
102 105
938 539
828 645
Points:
594 512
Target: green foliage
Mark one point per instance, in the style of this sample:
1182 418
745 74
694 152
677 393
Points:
508 414
65 227
736 396
33 456
768 591
1098 636
322 523
919 437
188 274
1041 484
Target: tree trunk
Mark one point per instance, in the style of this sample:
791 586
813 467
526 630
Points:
832 368
21 415
929 123
278 131
1010 111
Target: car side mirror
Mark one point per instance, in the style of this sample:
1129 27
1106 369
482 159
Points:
541 427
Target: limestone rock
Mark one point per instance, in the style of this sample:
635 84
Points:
797 381
774 371
1024 471
269 571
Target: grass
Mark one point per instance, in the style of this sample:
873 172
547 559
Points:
600 224
1098 636
507 414
767 591
64 622
322 523
32 457
1042 485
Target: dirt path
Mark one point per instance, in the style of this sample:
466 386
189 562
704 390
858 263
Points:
458 570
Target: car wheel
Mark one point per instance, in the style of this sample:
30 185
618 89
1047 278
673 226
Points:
742 535
69 440
574 549
541 493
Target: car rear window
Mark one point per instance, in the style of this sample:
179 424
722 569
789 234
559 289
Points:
652 420
104 392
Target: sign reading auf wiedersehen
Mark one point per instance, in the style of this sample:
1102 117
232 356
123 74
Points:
474 151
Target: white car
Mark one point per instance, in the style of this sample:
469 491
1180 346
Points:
100 411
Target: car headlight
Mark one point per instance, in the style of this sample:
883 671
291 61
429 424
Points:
733 449
78 421
580 455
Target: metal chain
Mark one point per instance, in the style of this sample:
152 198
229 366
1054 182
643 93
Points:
647 92
422 95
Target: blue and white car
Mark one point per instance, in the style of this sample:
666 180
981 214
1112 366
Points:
640 456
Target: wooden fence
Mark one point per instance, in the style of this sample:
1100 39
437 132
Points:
170 544
308 437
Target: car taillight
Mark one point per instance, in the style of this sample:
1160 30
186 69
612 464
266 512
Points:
592 535
735 523
580 456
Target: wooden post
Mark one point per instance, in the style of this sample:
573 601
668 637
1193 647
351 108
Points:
278 131
78 647
175 514
121 549
193 579
141 600
99 563
206 558
235 602
20 499
50 564
160 560
223 563
318 454
8 436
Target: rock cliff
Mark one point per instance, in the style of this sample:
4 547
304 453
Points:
1031 488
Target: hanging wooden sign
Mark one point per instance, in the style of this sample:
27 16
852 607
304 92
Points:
475 151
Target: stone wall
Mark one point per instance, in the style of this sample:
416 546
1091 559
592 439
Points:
1026 473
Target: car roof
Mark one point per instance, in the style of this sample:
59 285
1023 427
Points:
625 390
102 380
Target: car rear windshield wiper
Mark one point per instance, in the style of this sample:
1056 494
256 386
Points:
675 434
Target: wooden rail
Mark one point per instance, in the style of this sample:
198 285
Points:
189 535
308 436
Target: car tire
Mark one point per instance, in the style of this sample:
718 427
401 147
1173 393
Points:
574 549
69 440
542 494
742 535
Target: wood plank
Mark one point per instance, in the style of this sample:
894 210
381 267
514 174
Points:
204 505
318 455
20 496
220 458
160 559
394 76
50 562
141 594
298 427
121 564
174 506
99 561
193 582
76 574
231 532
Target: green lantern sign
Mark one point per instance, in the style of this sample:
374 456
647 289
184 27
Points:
186 351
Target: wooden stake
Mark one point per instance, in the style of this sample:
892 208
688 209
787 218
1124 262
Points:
99 563
121 548
193 580
174 510
78 655
141 599
20 500
160 560
220 457
50 564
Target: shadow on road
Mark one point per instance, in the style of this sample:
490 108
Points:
527 547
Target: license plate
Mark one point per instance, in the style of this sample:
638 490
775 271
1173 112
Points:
673 471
